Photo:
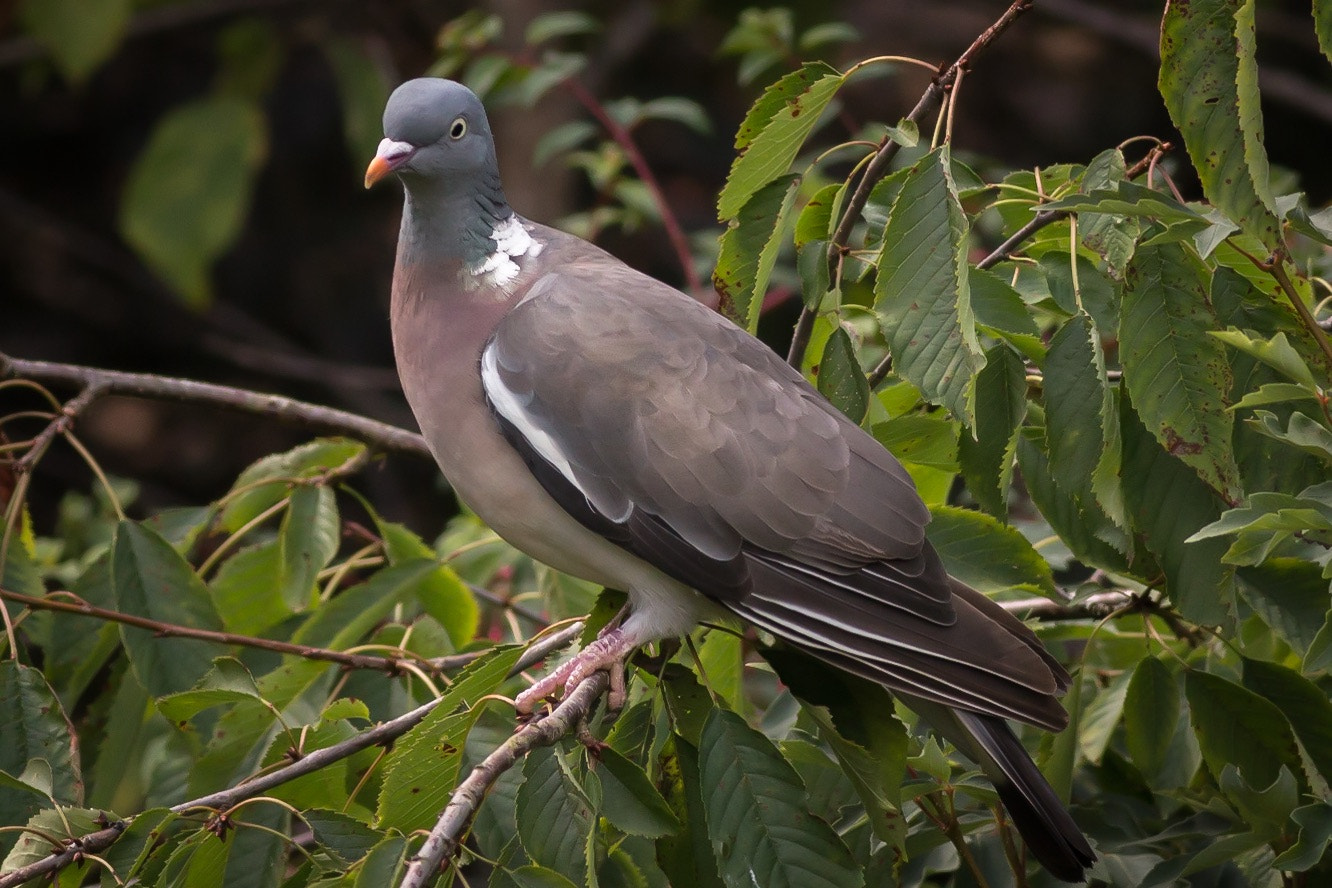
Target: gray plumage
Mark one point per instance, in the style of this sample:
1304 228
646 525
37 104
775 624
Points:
616 429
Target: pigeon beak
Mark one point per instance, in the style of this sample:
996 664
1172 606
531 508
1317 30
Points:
388 158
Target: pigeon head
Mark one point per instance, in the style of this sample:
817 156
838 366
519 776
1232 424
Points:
435 132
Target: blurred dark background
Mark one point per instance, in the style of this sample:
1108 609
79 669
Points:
299 302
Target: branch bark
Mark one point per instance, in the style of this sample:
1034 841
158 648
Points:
378 435
444 839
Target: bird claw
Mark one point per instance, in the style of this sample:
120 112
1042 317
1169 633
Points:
607 652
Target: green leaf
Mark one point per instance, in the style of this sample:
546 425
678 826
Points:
761 831
62 824
1238 727
1128 199
1089 291
1274 393
774 131
985 554
553 817
855 718
551 25
840 378
441 591
985 454
815 221
1276 352
1091 536
340 834
144 836
1209 78
923 439
1176 372
33 728
257 857
1082 419
561 139
1151 713
1167 502
749 250
533 876
423 768
721 658
1291 597
152 580
245 590
1315 822
1112 236
922 294
685 857
678 109
1304 704
1322 13
228 682
629 800
383 864
189 191
307 541
79 34
1302 432
1100 717
250 497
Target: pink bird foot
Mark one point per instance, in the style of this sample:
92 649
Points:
608 652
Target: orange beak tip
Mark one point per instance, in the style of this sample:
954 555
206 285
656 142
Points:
378 169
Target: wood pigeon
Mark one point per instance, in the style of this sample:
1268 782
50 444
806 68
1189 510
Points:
613 428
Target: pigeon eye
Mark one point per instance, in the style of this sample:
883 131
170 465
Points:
457 129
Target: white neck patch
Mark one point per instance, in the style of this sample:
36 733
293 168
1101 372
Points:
512 241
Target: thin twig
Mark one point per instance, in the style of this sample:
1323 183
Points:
888 149
379 435
1093 607
379 735
389 665
1276 267
444 839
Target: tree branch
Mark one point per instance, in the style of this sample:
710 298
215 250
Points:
883 157
444 839
1093 607
96 842
389 665
378 435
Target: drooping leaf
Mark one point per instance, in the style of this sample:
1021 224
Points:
921 292
1315 822
985 554
685 857
840 378
1301 432
1167 503
629 800
1209 78
761 830
1304 704
774 131
1151 713
1082 418
1090 536
34 728
985 454
1276 352
553 817
257 857
1176 372
307 541
152 580
749 250
1237 727
189 191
